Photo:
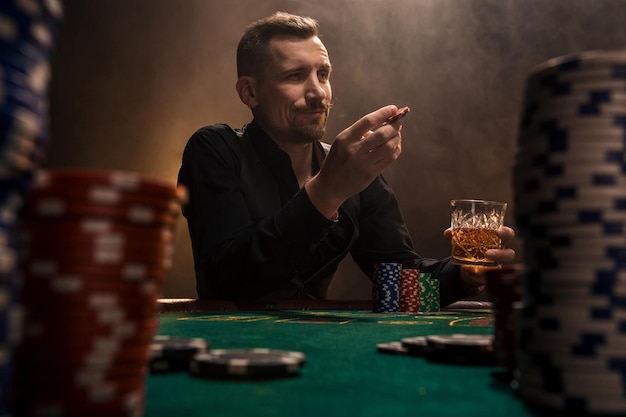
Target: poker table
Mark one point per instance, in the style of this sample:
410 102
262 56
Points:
344 374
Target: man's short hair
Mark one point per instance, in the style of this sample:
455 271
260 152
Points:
252 49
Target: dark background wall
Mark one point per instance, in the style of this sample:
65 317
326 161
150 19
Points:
133 79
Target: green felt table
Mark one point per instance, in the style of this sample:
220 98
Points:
344 374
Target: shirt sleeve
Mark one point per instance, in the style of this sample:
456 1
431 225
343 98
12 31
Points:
384 237
236 257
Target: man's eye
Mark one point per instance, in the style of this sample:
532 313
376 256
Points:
323 75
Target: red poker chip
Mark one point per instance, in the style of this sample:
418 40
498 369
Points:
138 242
124 320
67 247
68 289
69 381
89 227
119 180
133 215
159 256
98 336
103 195
128 271
36 330
82 311
113 365
81 356
87 387
93 227
73 285
82 323
133 272
124 307
95 402
110 396
125 404
93 274
87 291
85 375
126 299
52 204
41 408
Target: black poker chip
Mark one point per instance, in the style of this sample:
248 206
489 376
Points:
258 363
173 354
392 348
468 349
415 346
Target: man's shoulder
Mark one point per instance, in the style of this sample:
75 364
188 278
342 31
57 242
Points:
215 138
219 130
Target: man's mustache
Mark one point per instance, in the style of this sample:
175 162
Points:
320 106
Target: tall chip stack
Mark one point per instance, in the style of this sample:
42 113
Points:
570 199
28 31
97 248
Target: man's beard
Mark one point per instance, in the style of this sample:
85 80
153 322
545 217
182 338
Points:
310 133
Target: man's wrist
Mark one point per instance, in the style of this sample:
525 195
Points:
321 202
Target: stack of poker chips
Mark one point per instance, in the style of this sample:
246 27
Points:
404 290
570 194
429 293
97 247
28 31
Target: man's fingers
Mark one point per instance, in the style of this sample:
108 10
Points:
506 234
366 125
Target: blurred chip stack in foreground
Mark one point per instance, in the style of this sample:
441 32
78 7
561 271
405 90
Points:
28 32
98 245
570 191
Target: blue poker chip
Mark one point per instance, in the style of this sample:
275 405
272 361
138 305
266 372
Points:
576 230
577 313
571 217
574 275
563 362
22 55
578 343
12 97
34 20
574 108
27 11
547 403
563 240
559 381
544 255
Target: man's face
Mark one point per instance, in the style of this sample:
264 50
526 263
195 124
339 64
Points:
293 92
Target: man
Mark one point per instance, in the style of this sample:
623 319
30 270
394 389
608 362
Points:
272 210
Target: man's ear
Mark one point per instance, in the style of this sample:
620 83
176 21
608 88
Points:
246 86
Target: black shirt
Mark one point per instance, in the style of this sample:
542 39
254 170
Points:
256 235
